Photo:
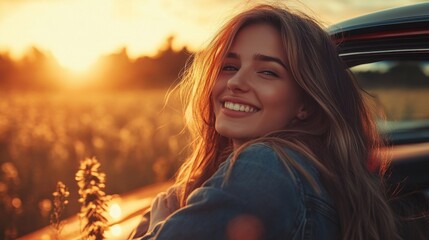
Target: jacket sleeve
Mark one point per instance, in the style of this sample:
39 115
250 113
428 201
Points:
142 227
259 194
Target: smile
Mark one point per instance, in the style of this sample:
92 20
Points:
239 107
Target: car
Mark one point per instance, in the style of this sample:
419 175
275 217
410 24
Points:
388 52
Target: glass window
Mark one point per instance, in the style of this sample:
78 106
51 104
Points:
400 90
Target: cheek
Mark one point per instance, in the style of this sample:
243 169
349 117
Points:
282 104
275 98
277 117
216 91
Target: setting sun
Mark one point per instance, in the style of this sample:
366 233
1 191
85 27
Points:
78 32
77 62
75 32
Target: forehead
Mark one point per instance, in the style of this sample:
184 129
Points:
259 38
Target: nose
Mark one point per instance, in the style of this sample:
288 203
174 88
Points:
239 82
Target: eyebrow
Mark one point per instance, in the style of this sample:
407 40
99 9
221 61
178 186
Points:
258 57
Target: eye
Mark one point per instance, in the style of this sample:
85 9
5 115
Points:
229 68
269 73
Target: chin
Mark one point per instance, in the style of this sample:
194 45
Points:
229 132
241 135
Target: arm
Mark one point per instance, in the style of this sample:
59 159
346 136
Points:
163 205
259 192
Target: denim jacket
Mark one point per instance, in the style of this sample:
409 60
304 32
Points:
282 206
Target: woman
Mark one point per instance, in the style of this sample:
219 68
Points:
282 141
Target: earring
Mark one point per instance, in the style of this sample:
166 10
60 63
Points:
302 116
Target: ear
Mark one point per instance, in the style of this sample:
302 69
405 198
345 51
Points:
302 113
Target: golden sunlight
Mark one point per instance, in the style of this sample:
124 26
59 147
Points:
115 211
116 230
75 61
77 33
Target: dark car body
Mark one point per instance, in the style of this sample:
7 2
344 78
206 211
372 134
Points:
395 35
390 36
388 52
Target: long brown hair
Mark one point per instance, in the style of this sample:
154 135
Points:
339 136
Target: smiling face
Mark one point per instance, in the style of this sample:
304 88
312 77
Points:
254 93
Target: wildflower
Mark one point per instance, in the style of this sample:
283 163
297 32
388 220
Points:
60 201
91 183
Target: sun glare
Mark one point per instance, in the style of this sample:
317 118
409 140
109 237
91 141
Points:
78 32
115 211
76 62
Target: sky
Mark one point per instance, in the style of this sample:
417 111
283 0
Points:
78 32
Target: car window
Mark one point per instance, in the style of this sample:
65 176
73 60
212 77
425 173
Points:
400 89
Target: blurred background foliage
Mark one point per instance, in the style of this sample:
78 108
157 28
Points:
38 70
120 116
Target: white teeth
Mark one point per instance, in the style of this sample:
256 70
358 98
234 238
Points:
236 107
239 107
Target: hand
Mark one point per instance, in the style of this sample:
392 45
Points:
163 205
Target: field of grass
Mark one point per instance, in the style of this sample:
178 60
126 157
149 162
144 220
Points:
134 135
136 138
400 104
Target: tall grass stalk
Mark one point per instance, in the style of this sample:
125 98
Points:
60 202
91 184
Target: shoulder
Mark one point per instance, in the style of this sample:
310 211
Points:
255 163
258 166
258 177
289 178
268 158
257 154
277 165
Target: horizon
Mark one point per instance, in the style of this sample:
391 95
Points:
104 27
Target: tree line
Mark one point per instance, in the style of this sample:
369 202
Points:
403 74
39 71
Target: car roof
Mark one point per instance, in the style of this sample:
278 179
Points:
396 33
412 14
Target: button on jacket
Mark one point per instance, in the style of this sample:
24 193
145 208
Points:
280 204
